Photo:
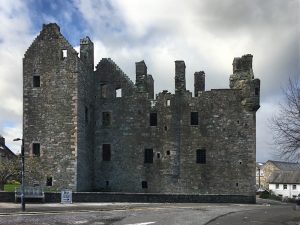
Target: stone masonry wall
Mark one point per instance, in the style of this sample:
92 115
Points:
226 130
99 131
50 110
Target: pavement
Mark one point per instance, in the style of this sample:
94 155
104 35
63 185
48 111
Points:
34 208
126 213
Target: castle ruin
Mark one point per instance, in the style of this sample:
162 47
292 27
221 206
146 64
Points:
96 130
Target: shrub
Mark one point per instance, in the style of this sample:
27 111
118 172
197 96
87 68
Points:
15 182
264 194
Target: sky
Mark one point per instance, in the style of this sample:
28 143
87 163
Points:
206 34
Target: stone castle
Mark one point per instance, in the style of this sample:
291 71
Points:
96 130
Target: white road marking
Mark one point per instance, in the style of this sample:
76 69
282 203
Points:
146 223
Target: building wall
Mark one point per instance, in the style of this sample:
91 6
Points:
85 116
226 130
268 169
288 192
77 113
50 111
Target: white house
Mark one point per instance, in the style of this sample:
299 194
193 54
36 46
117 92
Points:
285 183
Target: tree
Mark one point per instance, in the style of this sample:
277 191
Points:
286 124
9 169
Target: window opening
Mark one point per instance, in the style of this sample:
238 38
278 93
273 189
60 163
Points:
119 93
86 114
106 152
106 118
64 53
36 81
168 102
158 155
201 156
36 151
153 103
285 186
49 181
194 118
294 186
144 184
104 90
148 157
107 183
236 184
153 119
168 152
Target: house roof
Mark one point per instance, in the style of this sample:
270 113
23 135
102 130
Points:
285 177
4 150
286 166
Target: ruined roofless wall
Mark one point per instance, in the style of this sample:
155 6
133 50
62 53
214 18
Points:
100 131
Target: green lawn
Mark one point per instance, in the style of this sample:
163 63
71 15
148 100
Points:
10 187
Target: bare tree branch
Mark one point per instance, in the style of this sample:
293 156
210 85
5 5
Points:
286 124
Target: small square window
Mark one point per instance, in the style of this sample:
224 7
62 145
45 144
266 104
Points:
153 103
36 81
36 151
106 152
201 156
49 181
148 157
118 93
294 186
64 53
144 184
194 118
104 90
153 119
285 186
168 102
106 119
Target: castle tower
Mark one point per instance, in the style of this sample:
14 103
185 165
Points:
144 82
243 78
87 52
141 76
199 82
179 75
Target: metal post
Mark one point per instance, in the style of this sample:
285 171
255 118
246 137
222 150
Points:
23 171
258 177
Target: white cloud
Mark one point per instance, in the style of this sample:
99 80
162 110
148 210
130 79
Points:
206 34
15 38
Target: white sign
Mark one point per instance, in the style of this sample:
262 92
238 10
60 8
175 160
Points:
66 196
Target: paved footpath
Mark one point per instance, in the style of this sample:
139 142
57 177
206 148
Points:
122 213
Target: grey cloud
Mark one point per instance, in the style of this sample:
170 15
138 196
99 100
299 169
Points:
233 16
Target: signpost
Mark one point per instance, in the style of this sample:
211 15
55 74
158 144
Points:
66 196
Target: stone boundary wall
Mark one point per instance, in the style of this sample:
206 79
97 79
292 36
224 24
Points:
54 197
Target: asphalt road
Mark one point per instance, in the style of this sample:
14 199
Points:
277 215
144 214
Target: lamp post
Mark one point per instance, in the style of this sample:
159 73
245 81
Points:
22 173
